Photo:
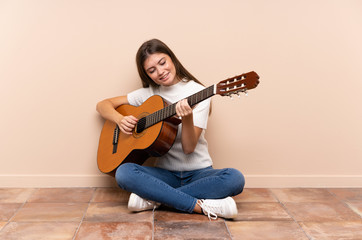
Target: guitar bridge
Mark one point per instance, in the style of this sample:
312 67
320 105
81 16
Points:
115 139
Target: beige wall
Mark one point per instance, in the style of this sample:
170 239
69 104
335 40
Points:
300 127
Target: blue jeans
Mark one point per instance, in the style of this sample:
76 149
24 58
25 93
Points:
179 189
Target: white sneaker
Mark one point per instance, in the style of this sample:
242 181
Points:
213 208
137 204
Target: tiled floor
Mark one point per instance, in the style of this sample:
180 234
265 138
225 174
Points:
101 213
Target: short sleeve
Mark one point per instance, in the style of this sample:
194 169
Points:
139 96
201 113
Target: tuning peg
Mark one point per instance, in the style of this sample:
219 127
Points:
238 94
246 92
231 97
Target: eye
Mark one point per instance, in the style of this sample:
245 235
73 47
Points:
163 62
152 70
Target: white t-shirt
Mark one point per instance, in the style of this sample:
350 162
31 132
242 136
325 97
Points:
175 159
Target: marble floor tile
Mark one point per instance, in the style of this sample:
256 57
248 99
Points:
356 207
102 213
7 210
261 211
112 194
333 230
174 216
66 212
39 231
2 224
347 194
15 195
191 230
115 212
62 195
255 195
266 230
115 231
317 212
297 195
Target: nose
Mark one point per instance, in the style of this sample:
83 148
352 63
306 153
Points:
159 71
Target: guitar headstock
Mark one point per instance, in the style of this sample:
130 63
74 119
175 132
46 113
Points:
240 83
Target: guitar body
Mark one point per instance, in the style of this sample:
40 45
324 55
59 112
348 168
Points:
153 141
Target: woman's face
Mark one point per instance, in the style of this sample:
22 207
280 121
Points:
160 68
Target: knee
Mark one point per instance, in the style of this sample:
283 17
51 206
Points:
124 174
237 181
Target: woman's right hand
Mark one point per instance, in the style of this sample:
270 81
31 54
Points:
127 123
107 108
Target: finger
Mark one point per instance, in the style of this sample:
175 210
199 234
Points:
129 126
128 122
186 103
130 119
128 133
185 108
133 119
178 109
126 130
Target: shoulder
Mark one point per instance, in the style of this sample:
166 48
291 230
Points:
137 97
141 91
192 86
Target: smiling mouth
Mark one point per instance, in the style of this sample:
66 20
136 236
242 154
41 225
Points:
164 77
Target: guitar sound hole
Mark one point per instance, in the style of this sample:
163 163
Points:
140 128
141 125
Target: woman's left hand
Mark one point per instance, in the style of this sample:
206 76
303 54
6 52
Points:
183 109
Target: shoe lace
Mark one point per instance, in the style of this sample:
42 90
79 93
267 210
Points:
209 210
153 204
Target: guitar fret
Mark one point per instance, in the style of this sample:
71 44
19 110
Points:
169 111
146 121
163 114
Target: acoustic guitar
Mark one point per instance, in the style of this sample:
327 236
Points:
156 129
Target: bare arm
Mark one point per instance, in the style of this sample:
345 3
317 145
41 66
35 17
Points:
107 110
190 134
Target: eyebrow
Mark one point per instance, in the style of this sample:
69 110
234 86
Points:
157 63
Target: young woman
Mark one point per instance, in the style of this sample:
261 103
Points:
184 177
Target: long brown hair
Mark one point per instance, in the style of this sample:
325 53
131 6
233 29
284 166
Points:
156 46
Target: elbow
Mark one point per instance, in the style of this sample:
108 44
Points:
188 150
99 106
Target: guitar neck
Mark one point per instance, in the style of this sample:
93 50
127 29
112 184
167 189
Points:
170 110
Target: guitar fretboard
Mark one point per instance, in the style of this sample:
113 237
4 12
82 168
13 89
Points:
170 110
